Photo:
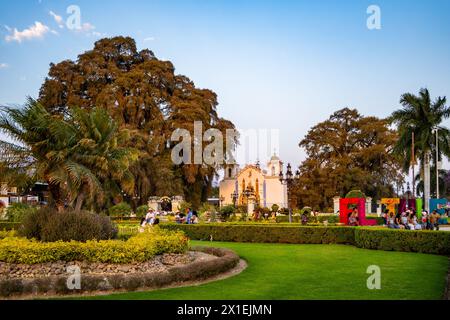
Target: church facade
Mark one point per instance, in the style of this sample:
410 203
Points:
263 184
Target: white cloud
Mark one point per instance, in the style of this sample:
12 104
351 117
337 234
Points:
98 34
3 65
86 27
149 39
38 30
58 19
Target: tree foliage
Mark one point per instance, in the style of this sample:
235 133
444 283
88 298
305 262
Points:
145 96
420 115
348 151
81 155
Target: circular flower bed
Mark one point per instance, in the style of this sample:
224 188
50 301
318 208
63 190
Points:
162 270
150 259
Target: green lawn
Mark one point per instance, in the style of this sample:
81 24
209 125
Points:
284 271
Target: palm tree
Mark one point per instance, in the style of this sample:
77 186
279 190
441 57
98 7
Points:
99 157
420 115
443 183
78 155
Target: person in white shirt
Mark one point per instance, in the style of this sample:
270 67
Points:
150 216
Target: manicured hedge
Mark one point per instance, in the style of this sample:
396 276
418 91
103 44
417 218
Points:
265 233
332 218
435 242
6 225
138 248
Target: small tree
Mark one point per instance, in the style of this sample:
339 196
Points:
241 208
183 206
120 210
141 211
356 193
226 211
275 207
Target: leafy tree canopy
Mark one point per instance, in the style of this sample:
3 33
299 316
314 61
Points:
144 95
346 151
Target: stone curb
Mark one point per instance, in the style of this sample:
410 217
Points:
57 285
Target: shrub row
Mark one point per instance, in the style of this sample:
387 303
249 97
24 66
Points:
6 225
435 242
138 248
265 233
227 260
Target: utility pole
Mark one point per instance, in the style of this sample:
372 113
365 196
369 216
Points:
413 163
426 181
436 130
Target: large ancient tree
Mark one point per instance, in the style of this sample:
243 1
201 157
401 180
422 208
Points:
345 152
145 96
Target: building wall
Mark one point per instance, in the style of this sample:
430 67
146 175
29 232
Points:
251 175
276 193
226 189
270 189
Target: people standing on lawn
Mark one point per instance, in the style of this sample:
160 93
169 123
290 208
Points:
424 220
189 216
434 220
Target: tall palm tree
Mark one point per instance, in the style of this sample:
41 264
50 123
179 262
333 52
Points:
420 115
100 151
81 155
443 184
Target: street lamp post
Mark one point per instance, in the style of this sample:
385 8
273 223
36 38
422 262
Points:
249 195
234 196
289 180
435 131
408 192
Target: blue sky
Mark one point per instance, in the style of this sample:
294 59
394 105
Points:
274 64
